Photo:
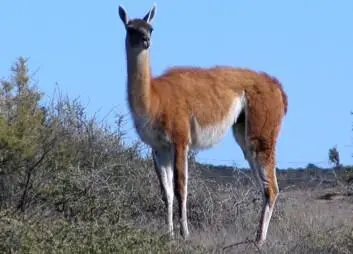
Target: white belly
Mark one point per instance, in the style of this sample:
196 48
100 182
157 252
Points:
207 136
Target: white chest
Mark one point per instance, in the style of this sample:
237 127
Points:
150 134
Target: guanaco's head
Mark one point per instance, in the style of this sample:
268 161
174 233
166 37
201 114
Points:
138 31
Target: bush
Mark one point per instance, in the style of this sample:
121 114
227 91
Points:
68 182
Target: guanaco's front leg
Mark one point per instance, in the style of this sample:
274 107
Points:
163 162
181 181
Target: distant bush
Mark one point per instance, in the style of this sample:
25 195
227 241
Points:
312 166
334 157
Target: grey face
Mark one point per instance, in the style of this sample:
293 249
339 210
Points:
138 31
139 34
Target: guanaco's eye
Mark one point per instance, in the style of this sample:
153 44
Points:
131 30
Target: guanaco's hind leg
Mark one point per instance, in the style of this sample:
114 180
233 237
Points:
264 162
263 157
263 166
256 133
239 132
163 162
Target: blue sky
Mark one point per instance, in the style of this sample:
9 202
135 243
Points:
307 45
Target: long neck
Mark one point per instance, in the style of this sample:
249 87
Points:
139 82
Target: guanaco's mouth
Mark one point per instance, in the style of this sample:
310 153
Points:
146 43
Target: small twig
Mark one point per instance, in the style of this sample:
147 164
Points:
248 241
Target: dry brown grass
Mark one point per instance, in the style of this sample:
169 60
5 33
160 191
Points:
118 208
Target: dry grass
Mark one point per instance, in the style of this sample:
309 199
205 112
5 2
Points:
118 209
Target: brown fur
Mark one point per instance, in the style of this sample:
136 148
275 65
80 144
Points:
181 92
139 96
180 173
280 87
207 94
165 108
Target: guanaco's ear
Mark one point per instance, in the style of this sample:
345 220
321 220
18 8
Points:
150 15
123 15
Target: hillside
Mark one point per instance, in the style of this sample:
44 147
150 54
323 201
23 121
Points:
70 184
